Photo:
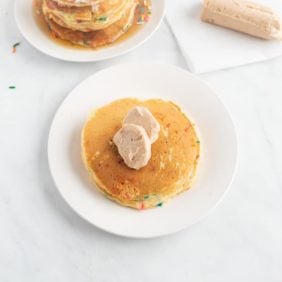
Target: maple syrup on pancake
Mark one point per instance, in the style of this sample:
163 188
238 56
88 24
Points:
42 24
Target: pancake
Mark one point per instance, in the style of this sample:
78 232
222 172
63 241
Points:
170 170
87 18
78 3
98 38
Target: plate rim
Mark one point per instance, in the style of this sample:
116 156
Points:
25 33
184 226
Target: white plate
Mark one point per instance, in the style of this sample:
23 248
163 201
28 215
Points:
36 37
218 145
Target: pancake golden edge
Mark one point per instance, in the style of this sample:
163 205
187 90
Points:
171 169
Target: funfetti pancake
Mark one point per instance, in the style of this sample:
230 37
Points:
98 38
174 155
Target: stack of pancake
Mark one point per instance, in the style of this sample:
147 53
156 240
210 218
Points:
90 23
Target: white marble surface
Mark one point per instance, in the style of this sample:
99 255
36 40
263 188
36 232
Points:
42 239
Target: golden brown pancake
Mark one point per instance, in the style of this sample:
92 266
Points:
96 38
91 23
170 170
80 3
87 18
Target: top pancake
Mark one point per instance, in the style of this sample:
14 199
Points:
170 170
80 3
87 17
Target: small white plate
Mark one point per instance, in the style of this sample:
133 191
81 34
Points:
36 37
218 148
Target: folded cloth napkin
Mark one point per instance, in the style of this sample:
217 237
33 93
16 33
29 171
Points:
207 47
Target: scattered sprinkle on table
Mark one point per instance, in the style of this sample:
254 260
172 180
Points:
15 46
12 87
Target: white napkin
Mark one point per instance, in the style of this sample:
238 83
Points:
208 47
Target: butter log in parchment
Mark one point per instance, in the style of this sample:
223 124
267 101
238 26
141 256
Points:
243 16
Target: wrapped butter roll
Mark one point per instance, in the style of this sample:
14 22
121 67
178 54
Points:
243 16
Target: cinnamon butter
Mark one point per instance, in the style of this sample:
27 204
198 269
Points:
243 16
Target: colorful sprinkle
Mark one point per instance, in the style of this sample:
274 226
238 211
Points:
142 207
146 197
102 19
15 46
